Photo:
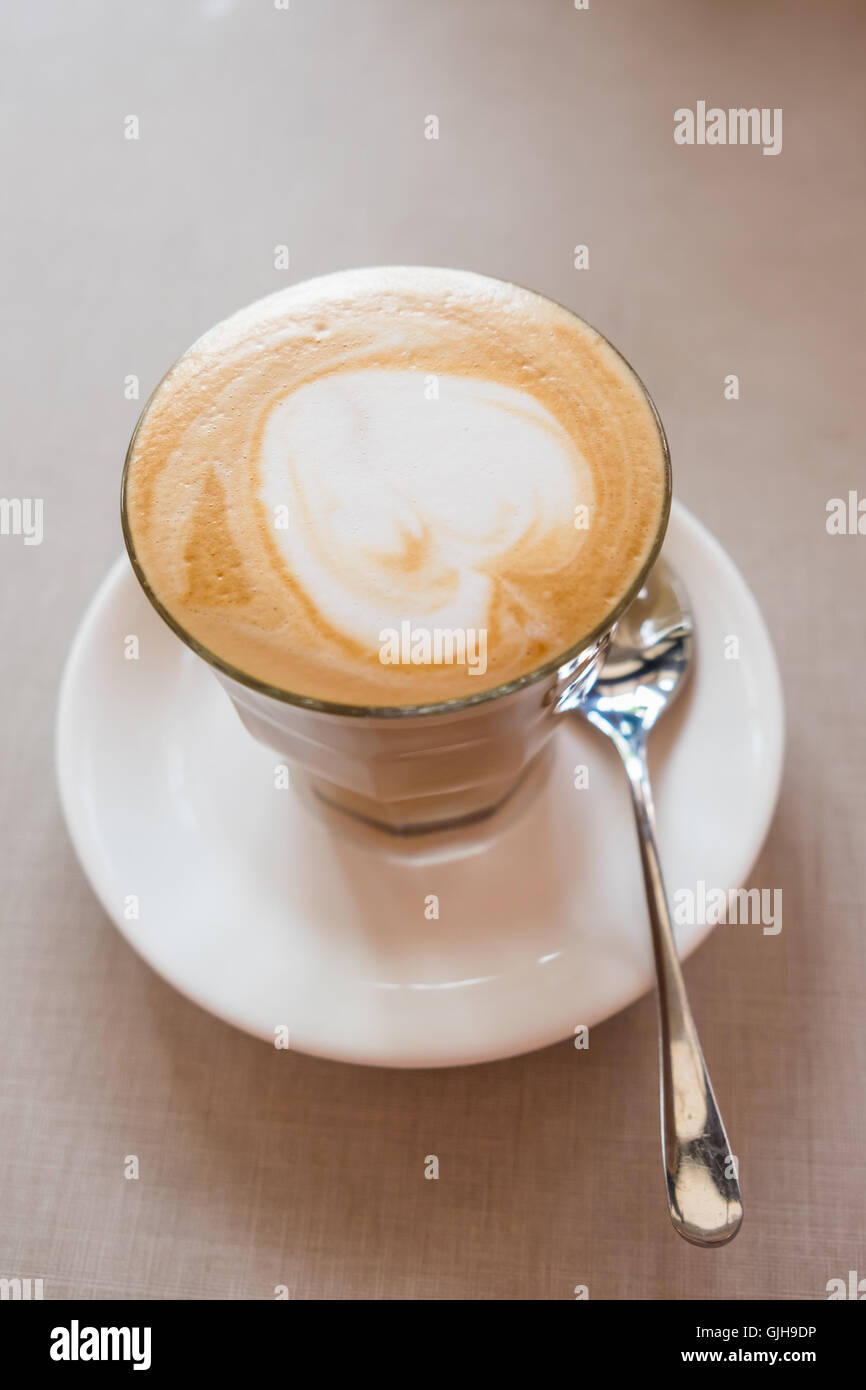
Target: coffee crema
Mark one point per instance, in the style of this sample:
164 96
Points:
390 451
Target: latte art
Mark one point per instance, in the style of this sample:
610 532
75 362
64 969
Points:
392 450
403 508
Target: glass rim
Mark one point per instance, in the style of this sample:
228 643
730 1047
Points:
456 703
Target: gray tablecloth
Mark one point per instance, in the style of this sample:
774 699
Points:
306 128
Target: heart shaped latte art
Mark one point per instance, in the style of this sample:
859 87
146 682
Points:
400 497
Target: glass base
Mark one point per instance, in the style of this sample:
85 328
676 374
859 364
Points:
400 819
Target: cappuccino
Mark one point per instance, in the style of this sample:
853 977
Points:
394 451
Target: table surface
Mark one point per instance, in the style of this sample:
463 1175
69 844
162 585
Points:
261 127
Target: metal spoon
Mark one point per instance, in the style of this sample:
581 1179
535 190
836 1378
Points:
645 668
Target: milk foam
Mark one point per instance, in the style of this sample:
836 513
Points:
400 506
394 449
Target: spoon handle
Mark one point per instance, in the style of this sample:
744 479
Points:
703 1191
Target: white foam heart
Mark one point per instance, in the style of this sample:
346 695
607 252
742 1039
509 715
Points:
401 500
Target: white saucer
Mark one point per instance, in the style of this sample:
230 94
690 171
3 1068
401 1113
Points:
269 912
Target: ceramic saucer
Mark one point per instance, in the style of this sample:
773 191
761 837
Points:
273 913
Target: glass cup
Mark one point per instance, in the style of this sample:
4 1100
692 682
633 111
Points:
412 768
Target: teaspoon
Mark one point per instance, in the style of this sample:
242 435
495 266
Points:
645 668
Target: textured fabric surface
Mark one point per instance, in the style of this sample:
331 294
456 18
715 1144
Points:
260 128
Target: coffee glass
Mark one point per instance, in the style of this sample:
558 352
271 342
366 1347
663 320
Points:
413 768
